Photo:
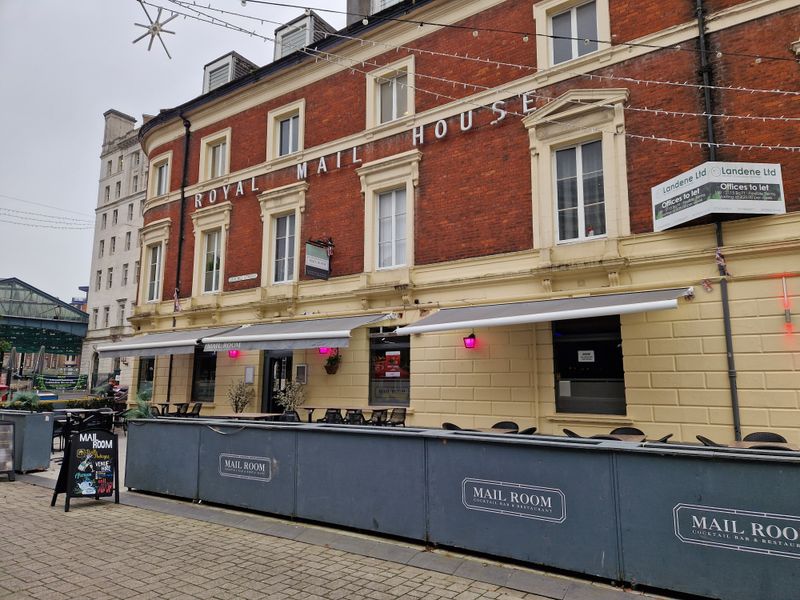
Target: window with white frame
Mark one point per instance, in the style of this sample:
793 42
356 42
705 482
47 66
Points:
106 311
289 129
153 292
579 191
103 220
121 312
211 225
130 211
110 277
94 318
389 185
212 260
285 130
284 248
101 248
214 159
112 248
125 274
391 228
127 240
135 185
136 269
280 212
579 163
115 217
136 158
117 189
569 29
120 162
108 167
160 169
390 92
98 280
107 194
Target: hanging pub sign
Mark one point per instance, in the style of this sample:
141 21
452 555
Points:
90 467
318 260
718 187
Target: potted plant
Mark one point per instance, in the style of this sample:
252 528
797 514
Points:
332 362
292 396
25 401
140 410
240 395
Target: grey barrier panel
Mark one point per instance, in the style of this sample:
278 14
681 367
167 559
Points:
162 456
33 439
248 467
546 504
358 478
713 526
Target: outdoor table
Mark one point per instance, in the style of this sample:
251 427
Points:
253 416
165 407
765 445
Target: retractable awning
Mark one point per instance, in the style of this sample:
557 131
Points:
308 333
152 344
492 315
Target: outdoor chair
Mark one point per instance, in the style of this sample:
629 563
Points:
527 431
196 408
182 409
155 411
354 416
506 425
707 442
663 440
572 434
378 417
397 418
627 431
58 433
450 426
289 416
332 415
764 436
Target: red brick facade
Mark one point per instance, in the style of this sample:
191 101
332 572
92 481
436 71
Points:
474 192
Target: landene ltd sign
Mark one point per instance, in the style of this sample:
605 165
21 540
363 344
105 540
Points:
718 187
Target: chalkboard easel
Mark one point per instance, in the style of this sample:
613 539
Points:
90 468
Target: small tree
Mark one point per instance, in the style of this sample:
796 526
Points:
142 408
292 396
240 395
25 401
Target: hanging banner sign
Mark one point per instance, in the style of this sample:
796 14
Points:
318 263
718 187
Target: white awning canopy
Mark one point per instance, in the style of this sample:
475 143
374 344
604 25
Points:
493 315
307 333
153 344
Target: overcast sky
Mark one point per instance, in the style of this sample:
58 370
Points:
64 64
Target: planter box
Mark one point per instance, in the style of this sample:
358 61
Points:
33 439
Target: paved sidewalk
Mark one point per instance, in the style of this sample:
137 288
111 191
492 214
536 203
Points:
152 547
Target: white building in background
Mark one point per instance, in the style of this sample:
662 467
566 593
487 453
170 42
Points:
114 274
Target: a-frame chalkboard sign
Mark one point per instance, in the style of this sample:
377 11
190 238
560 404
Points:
90 467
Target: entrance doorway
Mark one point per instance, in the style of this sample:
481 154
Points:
277 373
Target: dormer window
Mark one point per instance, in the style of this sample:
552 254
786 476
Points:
225 69
218 76
291 39
379 5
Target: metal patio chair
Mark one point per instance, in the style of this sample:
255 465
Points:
196 408
354 416
506 425
450 426
627 431
332 415
572 434
527 431
378 417
709 442
397 418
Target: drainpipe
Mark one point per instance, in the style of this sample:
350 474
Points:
187 137
705 70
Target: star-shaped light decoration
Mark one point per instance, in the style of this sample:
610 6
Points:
154 29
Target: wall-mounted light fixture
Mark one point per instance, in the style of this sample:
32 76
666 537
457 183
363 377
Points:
787 309
233 353
469 341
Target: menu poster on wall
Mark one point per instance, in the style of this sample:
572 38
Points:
718 187
90 467
392 368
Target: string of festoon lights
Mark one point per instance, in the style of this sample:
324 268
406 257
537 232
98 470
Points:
500 89
498 64
524 35
201 16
